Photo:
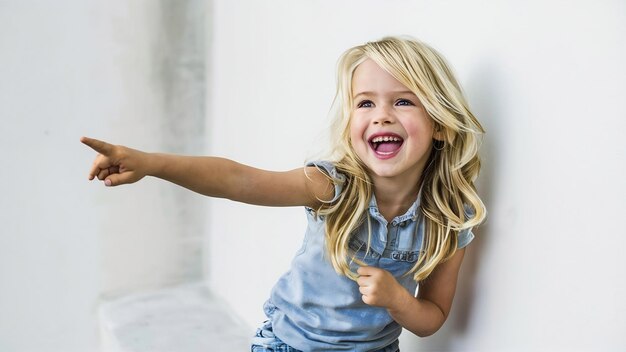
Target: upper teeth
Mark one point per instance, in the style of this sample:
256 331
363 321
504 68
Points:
385 139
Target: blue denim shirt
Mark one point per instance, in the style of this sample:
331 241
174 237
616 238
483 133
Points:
312 308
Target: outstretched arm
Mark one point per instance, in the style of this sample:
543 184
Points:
211 176
422 315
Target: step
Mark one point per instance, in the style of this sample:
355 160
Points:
186 318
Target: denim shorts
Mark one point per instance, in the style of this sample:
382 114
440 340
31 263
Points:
266 341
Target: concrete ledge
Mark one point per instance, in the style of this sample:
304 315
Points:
186 318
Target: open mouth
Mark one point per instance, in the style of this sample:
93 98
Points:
385 145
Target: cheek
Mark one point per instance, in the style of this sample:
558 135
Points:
421 127
356 132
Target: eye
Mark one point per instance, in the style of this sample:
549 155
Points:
365 104
404 102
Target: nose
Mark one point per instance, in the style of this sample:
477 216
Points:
384 116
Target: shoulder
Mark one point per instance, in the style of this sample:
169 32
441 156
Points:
325 181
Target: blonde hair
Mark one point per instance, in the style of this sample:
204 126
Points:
448 179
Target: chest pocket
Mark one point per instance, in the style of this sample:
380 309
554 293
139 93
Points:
398 255
361 255
398 262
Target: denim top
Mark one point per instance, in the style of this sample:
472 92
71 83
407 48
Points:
312 308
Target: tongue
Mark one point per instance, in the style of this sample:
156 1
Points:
387 147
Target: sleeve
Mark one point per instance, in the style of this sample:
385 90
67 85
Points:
329 169
466 236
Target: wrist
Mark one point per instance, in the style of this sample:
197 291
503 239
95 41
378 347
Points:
154 164
401 302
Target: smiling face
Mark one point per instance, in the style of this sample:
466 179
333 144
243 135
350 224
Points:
390 130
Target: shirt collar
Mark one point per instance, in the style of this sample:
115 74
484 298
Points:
411 214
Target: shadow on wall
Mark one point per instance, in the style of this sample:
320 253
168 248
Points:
485 94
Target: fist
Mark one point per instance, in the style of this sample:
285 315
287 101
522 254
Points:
379 288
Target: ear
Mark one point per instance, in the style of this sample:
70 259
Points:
438 133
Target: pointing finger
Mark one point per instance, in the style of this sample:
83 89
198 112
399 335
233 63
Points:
101 147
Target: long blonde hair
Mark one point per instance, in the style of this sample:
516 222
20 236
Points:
448 179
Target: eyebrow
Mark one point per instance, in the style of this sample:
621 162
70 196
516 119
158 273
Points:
393 92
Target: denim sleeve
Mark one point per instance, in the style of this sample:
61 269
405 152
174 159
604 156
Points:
329 169
466 236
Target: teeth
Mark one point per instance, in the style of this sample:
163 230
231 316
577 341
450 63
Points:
381 139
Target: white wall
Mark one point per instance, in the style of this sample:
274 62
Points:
129 72
546 78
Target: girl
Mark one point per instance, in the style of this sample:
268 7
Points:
393 208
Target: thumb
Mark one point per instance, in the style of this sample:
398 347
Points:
119 179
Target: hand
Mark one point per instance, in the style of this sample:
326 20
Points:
379 288
115 164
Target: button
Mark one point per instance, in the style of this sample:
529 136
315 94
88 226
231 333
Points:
404 256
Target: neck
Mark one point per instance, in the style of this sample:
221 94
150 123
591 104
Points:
395 198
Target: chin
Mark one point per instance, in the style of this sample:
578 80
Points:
383 171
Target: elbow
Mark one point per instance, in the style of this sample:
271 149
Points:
430 321
426 333
430 329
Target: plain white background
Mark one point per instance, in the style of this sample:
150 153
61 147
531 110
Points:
546 79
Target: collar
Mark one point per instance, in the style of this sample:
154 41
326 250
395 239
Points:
410 214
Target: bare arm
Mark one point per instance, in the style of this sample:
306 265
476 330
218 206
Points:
425 314
422 315
211 176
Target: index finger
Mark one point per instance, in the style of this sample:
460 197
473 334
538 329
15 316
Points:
363 270
101 147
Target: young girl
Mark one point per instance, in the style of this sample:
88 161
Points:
392 208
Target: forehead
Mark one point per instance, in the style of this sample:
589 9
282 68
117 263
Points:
368 76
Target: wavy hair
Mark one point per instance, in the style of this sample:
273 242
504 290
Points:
449 201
